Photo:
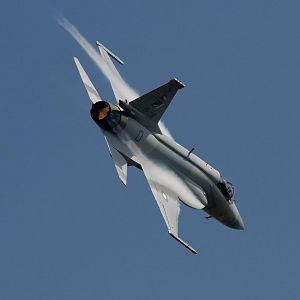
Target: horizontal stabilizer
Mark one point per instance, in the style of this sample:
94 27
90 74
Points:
120 164
91 90
119 161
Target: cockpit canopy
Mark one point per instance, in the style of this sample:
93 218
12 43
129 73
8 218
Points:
105 115
226 188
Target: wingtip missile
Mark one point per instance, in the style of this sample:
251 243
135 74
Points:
182 242
114 56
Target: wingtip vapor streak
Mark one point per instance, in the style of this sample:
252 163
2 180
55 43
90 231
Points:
175 174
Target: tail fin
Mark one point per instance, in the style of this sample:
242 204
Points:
91 90
155 103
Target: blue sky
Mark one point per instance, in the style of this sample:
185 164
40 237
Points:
70 230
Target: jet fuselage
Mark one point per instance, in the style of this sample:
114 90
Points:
134 137
183 169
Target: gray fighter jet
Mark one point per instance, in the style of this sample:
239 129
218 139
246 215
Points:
134 137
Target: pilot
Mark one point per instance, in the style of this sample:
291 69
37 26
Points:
226 188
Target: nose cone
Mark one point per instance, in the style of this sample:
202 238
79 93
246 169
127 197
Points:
236 220
238 224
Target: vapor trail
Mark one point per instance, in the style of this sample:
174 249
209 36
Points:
120 83
98 60
164 129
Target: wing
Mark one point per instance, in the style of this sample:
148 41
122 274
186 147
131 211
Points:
155 103
121 90
105 53
167 201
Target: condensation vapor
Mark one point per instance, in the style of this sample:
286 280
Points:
119 82
164 129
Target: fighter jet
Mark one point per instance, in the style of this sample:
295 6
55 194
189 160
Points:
135 138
